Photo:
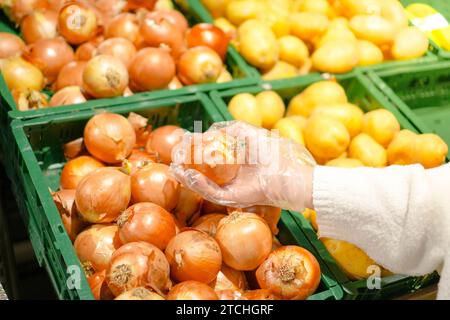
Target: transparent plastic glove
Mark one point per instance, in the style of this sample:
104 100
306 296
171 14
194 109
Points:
274 171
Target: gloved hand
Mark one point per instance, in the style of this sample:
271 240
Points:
276 171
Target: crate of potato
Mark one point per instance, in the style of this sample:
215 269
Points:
345 122
99 208
288 38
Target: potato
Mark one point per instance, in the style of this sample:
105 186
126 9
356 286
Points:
430 150
368 53
336 32
216 7
293 50
238 11
316 6
393 11
289 129
277 21
375 29
381 125
355 7
364 148
308 25
410 43
227 27
336 56
281 70
400 150
271 107
244 107
348 114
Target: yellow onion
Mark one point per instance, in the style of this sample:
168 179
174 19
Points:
77 23
208 223
229 279
21 75
10 45
162 141
70 75
76 169
188 206
139 293
120 48
29 99
41 24
192 290
67 96
65 203
125 25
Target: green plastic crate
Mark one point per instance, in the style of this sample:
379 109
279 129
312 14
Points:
38 159
363 93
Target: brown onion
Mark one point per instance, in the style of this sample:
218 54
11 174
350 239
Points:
50 56
39 25
208 223
162 141
67 96
290 272
153 183
137 160
245 240
146 222
95 245
125 25
192 290
70 75
138 264
76 169
29 99
141 128
119 48
21 75
229 279
206 34
10 45
86 51
139 293
188 206
270 214
103 195
210 207
156 62
259 294
199 65
105 77
109 137
65 203
99 288
74 148
109 8
77 23
136 4
22 8
194 255
175 17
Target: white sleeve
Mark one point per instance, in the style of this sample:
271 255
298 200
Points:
400 215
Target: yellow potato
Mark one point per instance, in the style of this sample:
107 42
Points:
355 7
375 29
345 163
393 11
326 138
316 6
281 70
311 216
336 33
293 50
319 93
368 53
271 107
224 76
400 150
258 44
244 107
239 11
288 128
410 43
278 22
308 25
429 150
364 148
381 125
216 7
227 27
348 114
336 56
299 120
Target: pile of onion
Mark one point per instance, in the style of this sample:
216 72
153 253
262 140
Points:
192 290
76 169
77 23
41 24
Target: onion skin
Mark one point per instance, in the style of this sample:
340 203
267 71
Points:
199 65
290 272
194 255
21 75
138 264
67 96
50 56
162 141
244 239
125 25
139 293
208 223
99 287
29 99
141 128
76 169
206 34
74 148
229 279
10 45
192 290
109 137
103 195
151 61
120 48
77 23
95 245
70 75
146 222
175 84
137 160
188 206
65 203
259 294
153 183
41 24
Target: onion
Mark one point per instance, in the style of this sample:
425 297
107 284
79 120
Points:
109 8
95 245
105 77
156 62
76 169
65 203
50 56
39 25
109 137
260 294
139 293
86 51
194 255
77 23
119 48
136 4
188 205
128 92
162 141
270 214
74 148
99 287
245 240
175 17
22 8
137 160
29 99
290 272
192 290
199 65
146 222
209 223
67 96
229 279
206 34
138 264
56 5
153 183
158 30
21 75
125 25
230 295
10 45
210 207
175 84
102 195
70 75
141 128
